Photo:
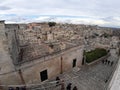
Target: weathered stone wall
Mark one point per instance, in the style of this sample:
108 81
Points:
55 65
12 26
13 46
6 64
10 79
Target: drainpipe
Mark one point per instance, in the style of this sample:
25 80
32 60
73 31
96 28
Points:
61 66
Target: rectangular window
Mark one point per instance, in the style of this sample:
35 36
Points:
44 75
74 62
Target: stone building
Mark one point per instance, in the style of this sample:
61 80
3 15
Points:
24 62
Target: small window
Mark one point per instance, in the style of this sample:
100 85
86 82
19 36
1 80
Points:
74 62
43 75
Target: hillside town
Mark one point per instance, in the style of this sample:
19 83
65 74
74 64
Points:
32 56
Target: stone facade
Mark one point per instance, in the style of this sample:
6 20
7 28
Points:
6 63
55 65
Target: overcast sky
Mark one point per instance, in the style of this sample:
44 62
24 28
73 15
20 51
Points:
100 12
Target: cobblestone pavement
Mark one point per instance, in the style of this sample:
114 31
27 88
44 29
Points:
93 77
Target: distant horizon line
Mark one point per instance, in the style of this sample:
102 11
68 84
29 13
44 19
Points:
70 19
60 23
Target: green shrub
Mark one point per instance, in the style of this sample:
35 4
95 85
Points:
95 54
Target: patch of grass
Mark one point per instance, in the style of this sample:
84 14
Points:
95 54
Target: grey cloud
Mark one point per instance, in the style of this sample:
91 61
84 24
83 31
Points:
106 10
4 8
